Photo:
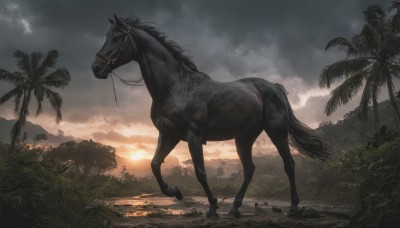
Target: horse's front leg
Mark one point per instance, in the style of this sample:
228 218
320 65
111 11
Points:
196 151
165 145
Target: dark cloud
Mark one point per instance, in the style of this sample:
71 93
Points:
228 39
300 29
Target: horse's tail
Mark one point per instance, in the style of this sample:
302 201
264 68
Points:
303 138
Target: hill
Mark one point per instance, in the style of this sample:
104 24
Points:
351 132
32 130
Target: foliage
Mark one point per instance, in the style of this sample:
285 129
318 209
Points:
86 157
103 186
88 162
376 178
34 78
36 193
371 62
316 180
384 135
351 132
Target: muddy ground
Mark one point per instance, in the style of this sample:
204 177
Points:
159 211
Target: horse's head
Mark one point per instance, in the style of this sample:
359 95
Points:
118 49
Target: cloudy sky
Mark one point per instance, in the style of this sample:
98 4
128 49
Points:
281 41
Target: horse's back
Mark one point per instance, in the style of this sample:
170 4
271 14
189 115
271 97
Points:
274 100
234 107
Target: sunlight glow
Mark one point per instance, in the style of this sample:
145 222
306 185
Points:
138 155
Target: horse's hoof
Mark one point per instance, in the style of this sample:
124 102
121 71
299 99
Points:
293 209
177 192
212 214
233 214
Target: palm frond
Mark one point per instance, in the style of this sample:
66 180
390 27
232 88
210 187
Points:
58 79
344 93
343 44
17 91
14 78
393 69
23 61
391 47
342 69
55 102
361 42
48 62
39 108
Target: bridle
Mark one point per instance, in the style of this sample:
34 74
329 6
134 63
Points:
111 60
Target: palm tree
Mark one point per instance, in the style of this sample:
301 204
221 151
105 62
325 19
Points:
33 78
370 62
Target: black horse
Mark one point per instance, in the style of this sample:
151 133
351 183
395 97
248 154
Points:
187 105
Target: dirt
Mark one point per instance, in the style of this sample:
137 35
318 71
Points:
267 220
150 211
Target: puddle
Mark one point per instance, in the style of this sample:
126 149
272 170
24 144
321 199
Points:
154 205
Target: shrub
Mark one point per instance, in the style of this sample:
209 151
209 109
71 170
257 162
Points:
36 193
376 177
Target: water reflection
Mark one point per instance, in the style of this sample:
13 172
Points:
148 205
155 205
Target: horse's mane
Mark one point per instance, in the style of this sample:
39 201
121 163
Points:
176 50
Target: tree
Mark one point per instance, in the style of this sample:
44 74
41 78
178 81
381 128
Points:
220 171
87 157
371 61
33 78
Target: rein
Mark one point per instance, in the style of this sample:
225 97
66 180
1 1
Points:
127 82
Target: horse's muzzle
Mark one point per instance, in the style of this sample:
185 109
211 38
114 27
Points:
99 70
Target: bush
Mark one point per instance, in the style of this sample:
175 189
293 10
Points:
36 193
376 177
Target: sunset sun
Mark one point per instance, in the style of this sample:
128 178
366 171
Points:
137 155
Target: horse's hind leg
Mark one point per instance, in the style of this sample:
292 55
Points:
244 144
165 145
195 142
276 127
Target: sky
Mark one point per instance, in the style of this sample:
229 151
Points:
280 41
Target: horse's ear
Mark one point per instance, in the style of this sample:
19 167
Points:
111 21
118 21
